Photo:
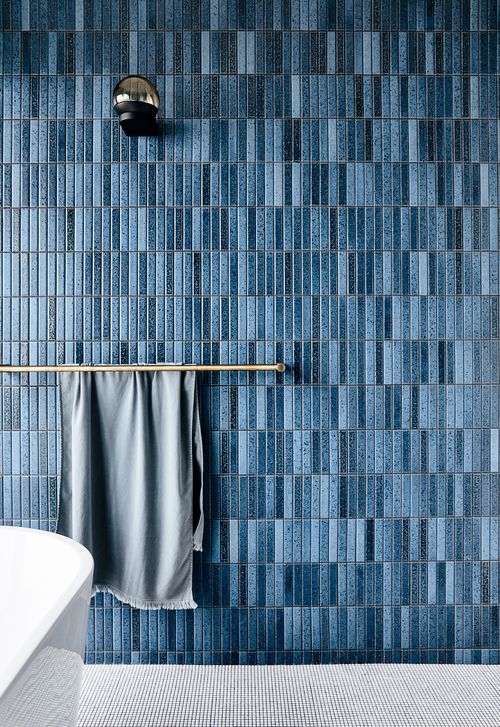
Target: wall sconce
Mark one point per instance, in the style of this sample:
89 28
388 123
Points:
136 101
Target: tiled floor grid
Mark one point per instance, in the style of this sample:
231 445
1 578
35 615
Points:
372 695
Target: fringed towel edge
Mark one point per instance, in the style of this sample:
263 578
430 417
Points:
138 603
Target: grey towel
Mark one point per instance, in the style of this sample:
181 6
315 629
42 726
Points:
130 488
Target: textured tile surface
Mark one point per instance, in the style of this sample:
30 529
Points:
372 695
324 192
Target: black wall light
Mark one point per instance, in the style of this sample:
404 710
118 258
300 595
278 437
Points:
136 101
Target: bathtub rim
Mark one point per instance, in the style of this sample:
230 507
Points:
73 586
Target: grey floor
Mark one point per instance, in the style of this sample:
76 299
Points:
387 695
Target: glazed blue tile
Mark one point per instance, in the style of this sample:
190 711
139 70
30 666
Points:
306 205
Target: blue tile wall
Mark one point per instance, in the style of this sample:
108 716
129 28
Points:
324 191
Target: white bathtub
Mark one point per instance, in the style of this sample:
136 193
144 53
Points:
45 583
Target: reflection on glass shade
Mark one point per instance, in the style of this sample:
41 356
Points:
136 88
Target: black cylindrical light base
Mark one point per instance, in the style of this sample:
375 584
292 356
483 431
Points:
137 118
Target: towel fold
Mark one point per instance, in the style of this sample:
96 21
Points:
131 481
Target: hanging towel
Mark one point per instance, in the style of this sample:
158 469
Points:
131 481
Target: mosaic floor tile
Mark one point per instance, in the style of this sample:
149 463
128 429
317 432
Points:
377 695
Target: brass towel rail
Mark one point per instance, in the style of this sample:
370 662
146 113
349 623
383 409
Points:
280 367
